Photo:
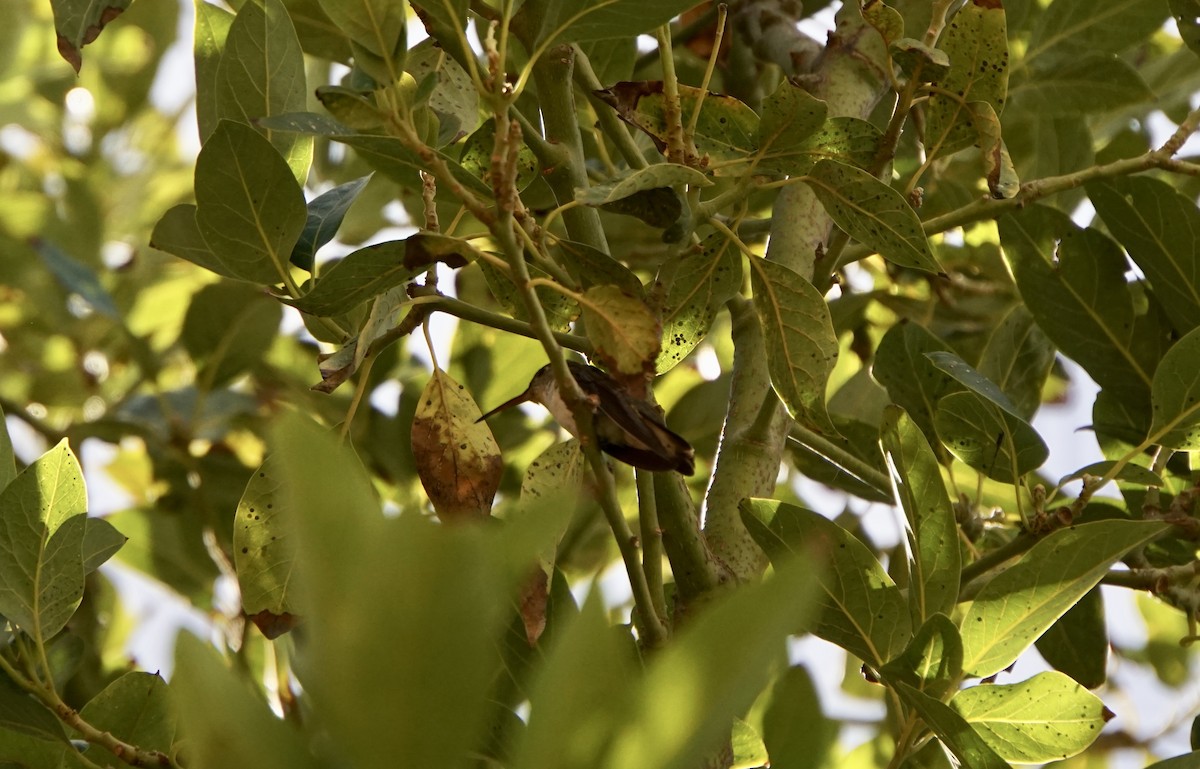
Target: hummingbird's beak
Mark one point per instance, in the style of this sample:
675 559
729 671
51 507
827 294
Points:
522 398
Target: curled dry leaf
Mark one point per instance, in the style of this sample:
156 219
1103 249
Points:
457 460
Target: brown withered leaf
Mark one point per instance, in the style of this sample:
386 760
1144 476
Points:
457 459
79 23
426 248
274 625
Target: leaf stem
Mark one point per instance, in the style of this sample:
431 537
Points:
652 544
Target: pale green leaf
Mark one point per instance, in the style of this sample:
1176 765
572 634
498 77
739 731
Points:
625 331
976 40
263 551
676 727
1175 396
1020 603
861 609
932 662
136 708
873 213
1131 472
376 25
843 139
250 210
261 73
698 285
886 20
640 180
909 53
801 346
789 117
1046 718
747 746
1160 228
453 99
934 558
229 723
954 732
43 514
1068 30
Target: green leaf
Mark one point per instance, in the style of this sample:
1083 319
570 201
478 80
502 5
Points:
480 146
698 285
909 53
453 99
873 213
1186 761
578 21
989 438
1187 18
24 715
101 541
861 609
747 747
261 73
795 730
8 460
444 640
228 329
967 376
812 457
790 116
359 276
592 267
79 22
43 514
375 25
998 169
212 30
250 210
954 732
1016 606
559 310
1047 718
77 278
1131 472
801 346
887 21
676 727
325 214
1081 300
932 662
1096 82
1018 358
1078 643
934 558
976 40
263 549
911 379
590 659
1175 396
1068 30
725 130
641 180
846 140
178 234
1157 226
136 708
626 333
225 719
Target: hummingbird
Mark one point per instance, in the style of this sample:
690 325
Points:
627 428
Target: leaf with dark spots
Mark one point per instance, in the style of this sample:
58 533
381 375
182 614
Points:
426 248
457 458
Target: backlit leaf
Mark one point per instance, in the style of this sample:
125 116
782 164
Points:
626 333
136 708
932 662
457 458
263 550
846 140
698 285
801 346
1018 357
861 609
934 558
79 22
976 40
911 379
988 438
953 731
873 213
1020 603
1046 718
1175 396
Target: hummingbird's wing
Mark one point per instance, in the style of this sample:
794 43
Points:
635 433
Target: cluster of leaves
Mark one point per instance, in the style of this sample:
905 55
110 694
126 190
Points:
586 197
